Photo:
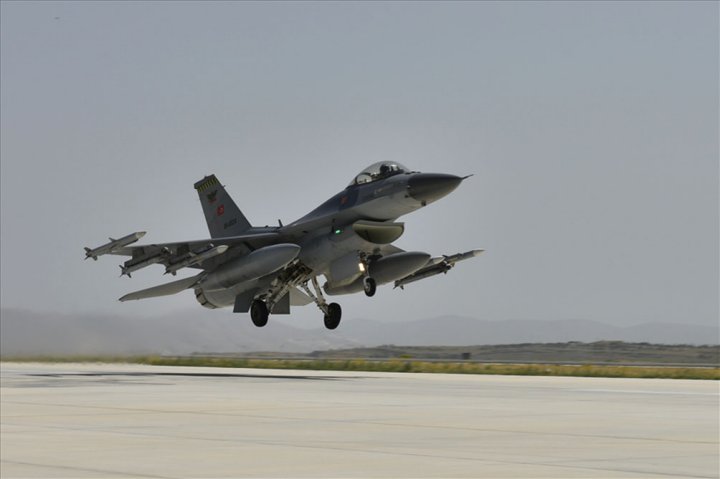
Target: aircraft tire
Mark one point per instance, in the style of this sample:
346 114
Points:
259 313
370 286
332 318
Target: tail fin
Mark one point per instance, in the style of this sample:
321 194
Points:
223 216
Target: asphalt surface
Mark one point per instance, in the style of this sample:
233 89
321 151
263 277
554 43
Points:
92 420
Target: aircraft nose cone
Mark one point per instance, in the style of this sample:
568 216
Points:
429 187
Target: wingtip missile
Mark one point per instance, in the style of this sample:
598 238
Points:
113 245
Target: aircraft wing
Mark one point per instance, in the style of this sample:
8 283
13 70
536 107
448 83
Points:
251 241
199 254
164 289
440 264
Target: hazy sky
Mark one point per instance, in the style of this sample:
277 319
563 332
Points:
591 128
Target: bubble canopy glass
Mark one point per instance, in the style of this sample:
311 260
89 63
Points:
378 171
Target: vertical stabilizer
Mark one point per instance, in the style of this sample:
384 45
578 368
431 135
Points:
223 216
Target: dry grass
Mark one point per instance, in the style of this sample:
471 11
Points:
409 366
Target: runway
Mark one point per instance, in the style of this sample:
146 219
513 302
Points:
93 420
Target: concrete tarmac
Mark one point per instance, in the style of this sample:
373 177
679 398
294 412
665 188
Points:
94 420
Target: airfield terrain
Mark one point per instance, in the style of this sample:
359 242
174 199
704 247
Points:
95 420
203 332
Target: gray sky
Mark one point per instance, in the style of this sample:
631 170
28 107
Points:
591 128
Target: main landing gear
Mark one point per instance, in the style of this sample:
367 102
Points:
333 315
259 313
332 311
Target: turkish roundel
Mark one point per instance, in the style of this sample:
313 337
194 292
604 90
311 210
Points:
220 210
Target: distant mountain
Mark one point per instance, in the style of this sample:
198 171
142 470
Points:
32 333
460 331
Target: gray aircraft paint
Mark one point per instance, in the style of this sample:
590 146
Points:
346 239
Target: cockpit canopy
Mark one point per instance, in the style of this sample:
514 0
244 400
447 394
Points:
378 171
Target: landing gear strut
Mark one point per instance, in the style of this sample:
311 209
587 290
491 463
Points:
259 313
332 311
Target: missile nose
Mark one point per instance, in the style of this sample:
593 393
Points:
429 187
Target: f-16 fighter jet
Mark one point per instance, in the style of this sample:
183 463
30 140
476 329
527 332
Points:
265 270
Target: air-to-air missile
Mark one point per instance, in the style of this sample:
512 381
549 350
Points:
113 245
441 264
139 263
194 258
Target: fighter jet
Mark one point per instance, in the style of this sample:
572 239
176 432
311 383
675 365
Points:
266 270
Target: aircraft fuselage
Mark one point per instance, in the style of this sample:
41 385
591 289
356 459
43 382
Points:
263 270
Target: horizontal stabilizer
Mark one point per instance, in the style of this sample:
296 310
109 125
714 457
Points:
163 289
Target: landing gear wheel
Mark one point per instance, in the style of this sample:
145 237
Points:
333 315
259 313
370 286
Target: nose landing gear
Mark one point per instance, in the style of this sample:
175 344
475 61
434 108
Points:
369 283
370 286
